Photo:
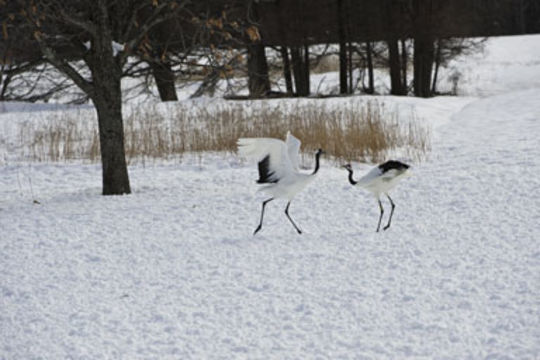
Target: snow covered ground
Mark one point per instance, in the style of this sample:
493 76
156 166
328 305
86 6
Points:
173 272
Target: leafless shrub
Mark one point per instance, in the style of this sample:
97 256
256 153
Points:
361 132
356 131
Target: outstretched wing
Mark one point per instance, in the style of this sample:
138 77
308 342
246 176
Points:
293 148
271 154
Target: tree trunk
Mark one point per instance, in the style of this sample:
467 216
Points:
107 98
164 77
306 70
396 84
342 68
299 72
519 10
404 61
423 66
437 64
394 30
5 84
371 86
111 138
342 49
258 81
423 47
350 68
287 69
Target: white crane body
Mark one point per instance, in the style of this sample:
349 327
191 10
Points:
278 163
380 180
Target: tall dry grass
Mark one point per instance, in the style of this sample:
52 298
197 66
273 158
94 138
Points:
59 136
355 131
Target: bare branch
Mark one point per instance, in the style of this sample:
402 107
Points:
86 26
131 22
66 68
159 15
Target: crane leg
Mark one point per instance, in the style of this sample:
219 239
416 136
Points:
290 219
262 215
380 216
391 212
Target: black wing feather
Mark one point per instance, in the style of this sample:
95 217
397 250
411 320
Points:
265 175
393 164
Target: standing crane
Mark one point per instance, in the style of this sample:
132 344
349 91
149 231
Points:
380 180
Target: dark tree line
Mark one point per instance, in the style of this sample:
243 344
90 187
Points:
292 26
297 24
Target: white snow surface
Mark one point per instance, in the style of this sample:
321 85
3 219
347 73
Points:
173 272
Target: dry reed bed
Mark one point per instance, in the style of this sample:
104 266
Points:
355 131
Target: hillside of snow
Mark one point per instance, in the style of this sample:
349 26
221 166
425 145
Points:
172 271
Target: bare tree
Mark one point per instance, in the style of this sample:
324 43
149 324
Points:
448 49
103 34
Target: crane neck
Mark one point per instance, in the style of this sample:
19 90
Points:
351 180
317 156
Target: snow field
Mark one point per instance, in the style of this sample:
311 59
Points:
173 272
